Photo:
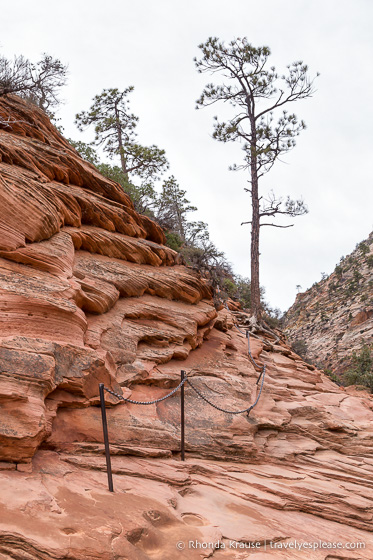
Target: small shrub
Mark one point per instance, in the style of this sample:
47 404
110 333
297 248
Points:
351 288
363 247
357 276
299 346
338 270
361 370
173 241
230 287
332 287
272 320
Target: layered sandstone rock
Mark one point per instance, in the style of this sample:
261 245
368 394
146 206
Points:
89 294
334 318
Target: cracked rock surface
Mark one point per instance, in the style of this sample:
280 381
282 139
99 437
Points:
89 294
334 318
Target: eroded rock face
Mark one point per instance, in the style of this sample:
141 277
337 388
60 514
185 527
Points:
89 294
334 318
71 248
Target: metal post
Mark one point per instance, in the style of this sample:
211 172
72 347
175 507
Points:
106 438
182 411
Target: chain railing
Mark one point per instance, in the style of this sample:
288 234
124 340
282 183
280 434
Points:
185 378
246 333
208 401
155 401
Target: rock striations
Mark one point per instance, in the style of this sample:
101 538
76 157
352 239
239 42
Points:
89 294
334 318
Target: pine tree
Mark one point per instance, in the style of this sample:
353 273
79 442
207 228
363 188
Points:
173 208
256 93
114 126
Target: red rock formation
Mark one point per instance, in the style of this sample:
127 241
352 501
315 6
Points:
89 294
334 318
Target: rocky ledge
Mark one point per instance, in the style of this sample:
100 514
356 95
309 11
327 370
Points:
89 294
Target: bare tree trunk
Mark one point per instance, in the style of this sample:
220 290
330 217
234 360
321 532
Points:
120 144
179 222
255 229
123 162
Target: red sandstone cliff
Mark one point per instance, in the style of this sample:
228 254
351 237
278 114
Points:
90 294
334 318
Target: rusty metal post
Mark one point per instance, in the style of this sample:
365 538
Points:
106 438
182 411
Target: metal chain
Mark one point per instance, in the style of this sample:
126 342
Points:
262 366
146 402
199 393
247 334
238 328
248 410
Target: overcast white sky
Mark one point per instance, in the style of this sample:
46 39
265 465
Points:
151 44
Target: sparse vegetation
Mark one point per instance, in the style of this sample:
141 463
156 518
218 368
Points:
167 204
357 276
332 287
299 346
361 370
38 82
325 313
332 376
363 248
339 271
